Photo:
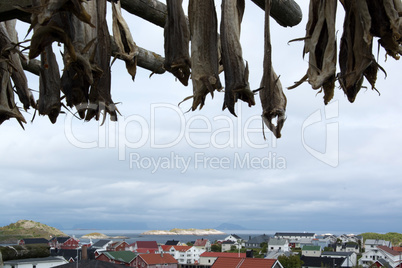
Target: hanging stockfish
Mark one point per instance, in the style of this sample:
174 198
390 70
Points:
355 57
204 50
273 100
386 23
49 102
8 108
236 74
177 37
320 43
15 67
100 98
128 50
77 75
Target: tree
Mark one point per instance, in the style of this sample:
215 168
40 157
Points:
216 248
292 261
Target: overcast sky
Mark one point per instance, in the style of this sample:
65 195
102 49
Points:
336 168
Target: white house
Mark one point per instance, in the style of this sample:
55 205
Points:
311 251
233 237
392 257
373 243
278 244
35 262
295 236
183 254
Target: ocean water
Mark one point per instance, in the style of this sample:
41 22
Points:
136 235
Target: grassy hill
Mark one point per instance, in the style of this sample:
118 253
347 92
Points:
395 238
27 229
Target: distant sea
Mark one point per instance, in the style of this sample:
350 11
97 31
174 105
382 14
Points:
135 235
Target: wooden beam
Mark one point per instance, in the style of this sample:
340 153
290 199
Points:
287 13
9 9
146 59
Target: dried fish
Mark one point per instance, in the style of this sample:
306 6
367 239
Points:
51 7
128 50
204 50
355 57
386 23
320 43
236 74
177 37
49 102
273 100
16 70
100 98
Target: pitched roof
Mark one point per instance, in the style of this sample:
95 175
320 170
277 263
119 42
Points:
222 254
123 256
182 248
399 249
35 241
152 259
335 253
200 242
225 262
172 242
389 250
277 241
147 244
228 242
259 239
61 239
101 243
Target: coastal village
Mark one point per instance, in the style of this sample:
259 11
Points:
281 250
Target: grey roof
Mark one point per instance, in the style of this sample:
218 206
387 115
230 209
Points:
376 242
277 241
34 260
236 236
101 243
384 263
228 242
295 234
172 242
321 261
259 239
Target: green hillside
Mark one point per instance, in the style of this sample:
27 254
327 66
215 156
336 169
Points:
395 238
27 229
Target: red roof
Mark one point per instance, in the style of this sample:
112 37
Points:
389 250
223 254
182 248
153 259
145 250
200 242
166 247
224 262
399 249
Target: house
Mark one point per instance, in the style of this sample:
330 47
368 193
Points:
202 244
295 236
117 246
228 262
33 241
233 237
152 260
144 247
373 243
35 262
71 255
322 242
183 254
102 244
311 251
392 257
350 257
208 258
278 244
276 254
318 262
228 244
256 241
64 242
301 242
119 257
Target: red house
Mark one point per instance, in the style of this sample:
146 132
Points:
144 247
225 262
151 260
64 242
117 246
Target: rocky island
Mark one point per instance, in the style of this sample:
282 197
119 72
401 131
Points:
191 231
102 236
